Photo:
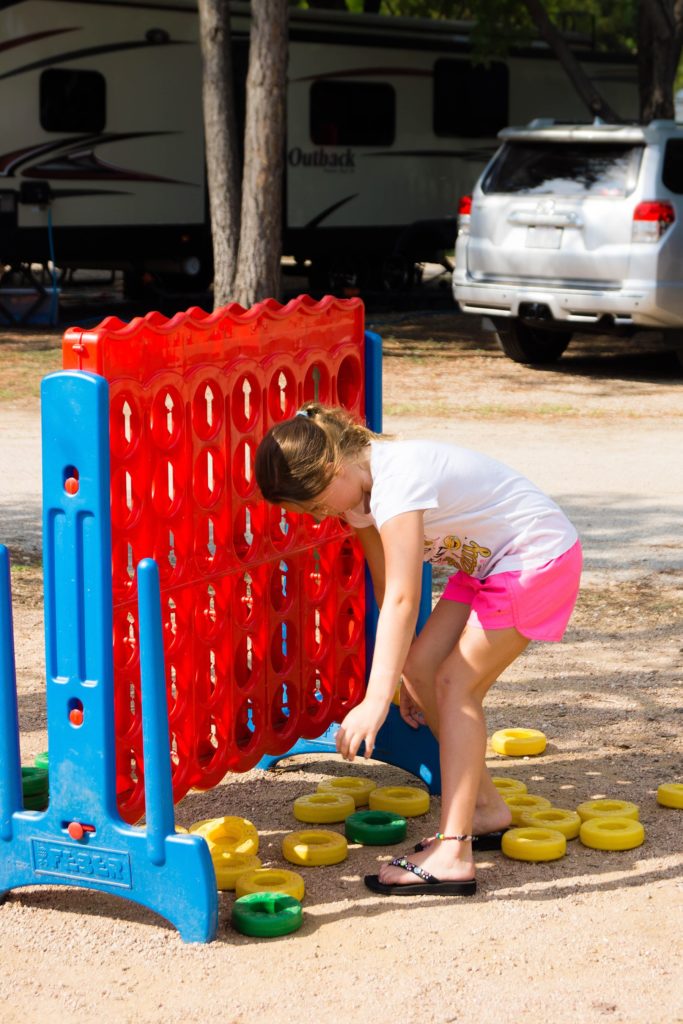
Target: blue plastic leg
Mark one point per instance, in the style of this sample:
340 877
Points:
11 797
80 840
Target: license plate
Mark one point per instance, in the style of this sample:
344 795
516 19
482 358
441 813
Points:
543 237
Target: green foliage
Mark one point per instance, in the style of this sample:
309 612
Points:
502 24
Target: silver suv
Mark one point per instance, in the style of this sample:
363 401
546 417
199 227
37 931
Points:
575 227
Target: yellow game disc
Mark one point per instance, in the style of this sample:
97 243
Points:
518 742
670 794
236 835
521 802
409 801
612 833
533 844
278 880
181 830
566 822
506 787
355 786
314 847
229 866
323 808
607 809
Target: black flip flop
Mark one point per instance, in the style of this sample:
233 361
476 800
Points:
428 886
486 841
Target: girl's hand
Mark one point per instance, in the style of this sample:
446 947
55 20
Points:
410 712
361 725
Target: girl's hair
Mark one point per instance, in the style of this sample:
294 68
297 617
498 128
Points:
299 457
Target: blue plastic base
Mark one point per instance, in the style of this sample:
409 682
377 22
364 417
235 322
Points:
116 860
414 750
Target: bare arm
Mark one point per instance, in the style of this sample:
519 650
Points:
402 544
371 542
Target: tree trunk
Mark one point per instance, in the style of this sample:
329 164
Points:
595 102
260 247
222 161
660 37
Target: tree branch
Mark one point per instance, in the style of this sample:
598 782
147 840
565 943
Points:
595 102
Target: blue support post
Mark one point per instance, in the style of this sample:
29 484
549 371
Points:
414 750
80 840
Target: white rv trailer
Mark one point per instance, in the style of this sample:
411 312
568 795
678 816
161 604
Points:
388 122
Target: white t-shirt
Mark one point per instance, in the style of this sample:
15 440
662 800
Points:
480 516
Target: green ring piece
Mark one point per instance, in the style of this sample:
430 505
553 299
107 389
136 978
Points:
266 914
34 781
41 760
375 828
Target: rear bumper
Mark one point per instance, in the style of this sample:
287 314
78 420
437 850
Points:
652 306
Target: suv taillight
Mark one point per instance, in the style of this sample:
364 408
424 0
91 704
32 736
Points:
465 206
464 211
650 220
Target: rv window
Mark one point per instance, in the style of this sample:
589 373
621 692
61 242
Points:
470 99
672 174
352 113
72 101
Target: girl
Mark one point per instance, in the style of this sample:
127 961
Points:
516 562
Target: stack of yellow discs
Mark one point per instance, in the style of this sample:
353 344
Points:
314 847
506 787
323 808
408 801
607 809
521 802
232 834
556 818
670 794
230 866
518 742
271 880
353 785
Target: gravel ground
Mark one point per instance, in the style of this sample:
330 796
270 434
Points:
590 938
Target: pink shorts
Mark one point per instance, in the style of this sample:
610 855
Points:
537 602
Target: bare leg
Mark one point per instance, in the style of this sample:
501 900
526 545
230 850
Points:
462 682
433 646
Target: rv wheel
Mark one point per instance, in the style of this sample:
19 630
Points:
532 345
400 274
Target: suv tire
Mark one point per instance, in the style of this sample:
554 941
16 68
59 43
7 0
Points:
532 345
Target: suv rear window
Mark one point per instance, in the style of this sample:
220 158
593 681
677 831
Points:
565 168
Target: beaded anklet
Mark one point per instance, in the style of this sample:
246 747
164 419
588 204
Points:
461 839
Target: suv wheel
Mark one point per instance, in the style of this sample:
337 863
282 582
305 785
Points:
532 345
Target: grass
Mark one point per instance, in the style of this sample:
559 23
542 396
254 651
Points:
23 366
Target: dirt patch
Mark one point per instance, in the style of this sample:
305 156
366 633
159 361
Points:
588 938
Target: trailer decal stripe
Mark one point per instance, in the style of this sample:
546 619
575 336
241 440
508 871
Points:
91 51
24 40
330 209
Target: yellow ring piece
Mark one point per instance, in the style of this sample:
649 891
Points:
408 801
229 866
670 794
533 844
521 802
506 787
356 786
518 742
607 809
323 808
236 835
314 847
612 833
556 818
289 883
181 830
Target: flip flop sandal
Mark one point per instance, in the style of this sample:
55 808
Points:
429 884
486 841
